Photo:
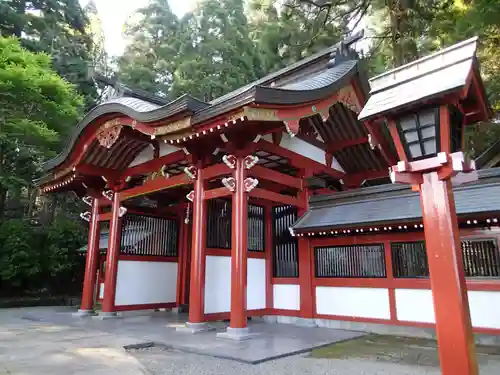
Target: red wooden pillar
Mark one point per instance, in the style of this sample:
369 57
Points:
451 307
108 304
305 264
91 263
197 277
239 249
268 236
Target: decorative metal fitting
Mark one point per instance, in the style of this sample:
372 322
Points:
291 231
85 216
122 211
190 195
191 171
186 218
250 161
229 183
88 200
108 194
230 161
250 183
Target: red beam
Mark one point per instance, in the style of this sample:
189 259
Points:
216 171
277 177
157 184
275 197
358 178
155 164
216 193
92 170
297 160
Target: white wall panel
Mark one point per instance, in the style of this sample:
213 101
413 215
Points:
101 290
485 308
286 296
414 305
256 284
144 156
217 284
140 283
355 302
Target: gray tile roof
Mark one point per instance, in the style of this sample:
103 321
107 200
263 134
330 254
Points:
395 203
441 72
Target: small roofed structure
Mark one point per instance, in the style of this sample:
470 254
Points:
251 204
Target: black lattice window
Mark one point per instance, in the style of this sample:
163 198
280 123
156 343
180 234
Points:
409 259
481 258
219 213
146 235
285 246
255 228
219 216
358 261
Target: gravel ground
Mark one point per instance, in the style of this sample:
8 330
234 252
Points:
162 362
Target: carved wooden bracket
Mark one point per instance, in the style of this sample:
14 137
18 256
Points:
88 200
250 161
292 127
250 183
85 216
229 183
108 194
122 211
191 171
230 161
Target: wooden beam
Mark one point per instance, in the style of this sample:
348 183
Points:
155 164
155 185
275 197
216 193
299 161
274 176
216 171
92 170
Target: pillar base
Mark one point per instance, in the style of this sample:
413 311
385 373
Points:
81 313
306 322
237 334
194 328
107 315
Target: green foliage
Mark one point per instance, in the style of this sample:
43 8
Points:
19 255
36 106
58 28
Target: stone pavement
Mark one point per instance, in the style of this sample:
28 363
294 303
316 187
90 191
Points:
271 342
34 348
32 345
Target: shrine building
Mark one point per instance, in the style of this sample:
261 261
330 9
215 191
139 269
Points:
275 200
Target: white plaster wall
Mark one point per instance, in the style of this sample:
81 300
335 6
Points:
166 149
217 284
144 156
286 296
101 290
256 284
145 282
356 302
306 149
414 305
484 308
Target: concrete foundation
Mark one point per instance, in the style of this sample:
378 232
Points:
237 334
380 329
107 315
194 328
84 313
